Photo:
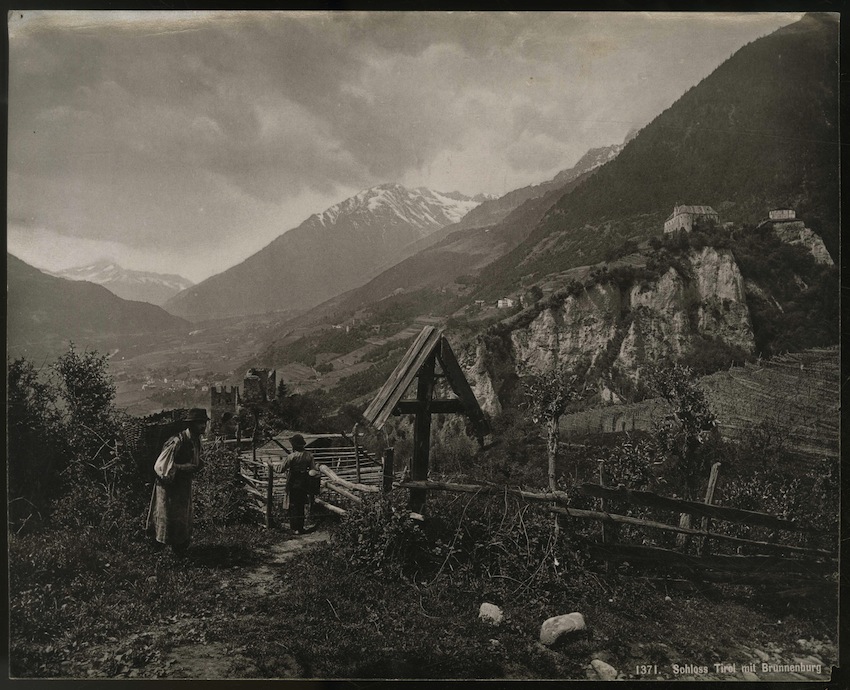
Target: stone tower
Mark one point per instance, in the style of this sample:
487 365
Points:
222 401
259 386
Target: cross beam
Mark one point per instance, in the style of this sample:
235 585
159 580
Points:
452 406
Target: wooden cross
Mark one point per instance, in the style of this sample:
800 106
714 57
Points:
420 361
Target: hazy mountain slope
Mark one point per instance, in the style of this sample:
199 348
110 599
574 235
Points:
139 286
758 133
42 307
754 135
492 212
327 254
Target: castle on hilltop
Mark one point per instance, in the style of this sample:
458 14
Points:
684 217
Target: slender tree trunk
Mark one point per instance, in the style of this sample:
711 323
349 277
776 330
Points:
552 449
552 452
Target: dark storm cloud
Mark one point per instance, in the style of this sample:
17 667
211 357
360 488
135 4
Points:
126 127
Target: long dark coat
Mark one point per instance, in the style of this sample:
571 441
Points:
171 515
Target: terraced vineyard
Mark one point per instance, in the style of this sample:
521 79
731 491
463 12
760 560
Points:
797 394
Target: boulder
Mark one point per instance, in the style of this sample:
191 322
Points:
557 626
490 613
603 670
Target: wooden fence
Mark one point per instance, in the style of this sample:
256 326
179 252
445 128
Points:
807 566
342 468
348 474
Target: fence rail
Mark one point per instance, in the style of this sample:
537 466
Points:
806 564
647 498
343 477
344 470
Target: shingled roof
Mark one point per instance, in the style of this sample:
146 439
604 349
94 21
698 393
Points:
694 210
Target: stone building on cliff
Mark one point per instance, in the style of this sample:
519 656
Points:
792 230
684 217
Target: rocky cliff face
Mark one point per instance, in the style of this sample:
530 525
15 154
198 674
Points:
618 329
796 232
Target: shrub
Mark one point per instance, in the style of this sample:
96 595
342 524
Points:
379 535
498 545
85 477
35 442
629 464
810 498
713 354
452 448
87 391
683 434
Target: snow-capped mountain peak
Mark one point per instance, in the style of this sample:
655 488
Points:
140 286
424 209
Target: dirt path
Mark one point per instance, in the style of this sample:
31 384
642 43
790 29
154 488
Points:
261 576
177 647
196 658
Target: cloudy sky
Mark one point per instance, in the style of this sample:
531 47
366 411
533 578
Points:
184 142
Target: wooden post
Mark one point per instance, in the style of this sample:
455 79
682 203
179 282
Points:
238 448
606 530
254 434
388 469
356 455
685 519
607 535
269 493
422 433
709 498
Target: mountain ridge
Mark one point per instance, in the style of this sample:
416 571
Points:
128 284
42 308
702 149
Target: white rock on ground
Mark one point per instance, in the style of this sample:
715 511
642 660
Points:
490 613
603 670
553 628
761 655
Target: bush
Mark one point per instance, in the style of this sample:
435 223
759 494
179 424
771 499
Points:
452 448
36 443
713 354
65 428
498 545
810 498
